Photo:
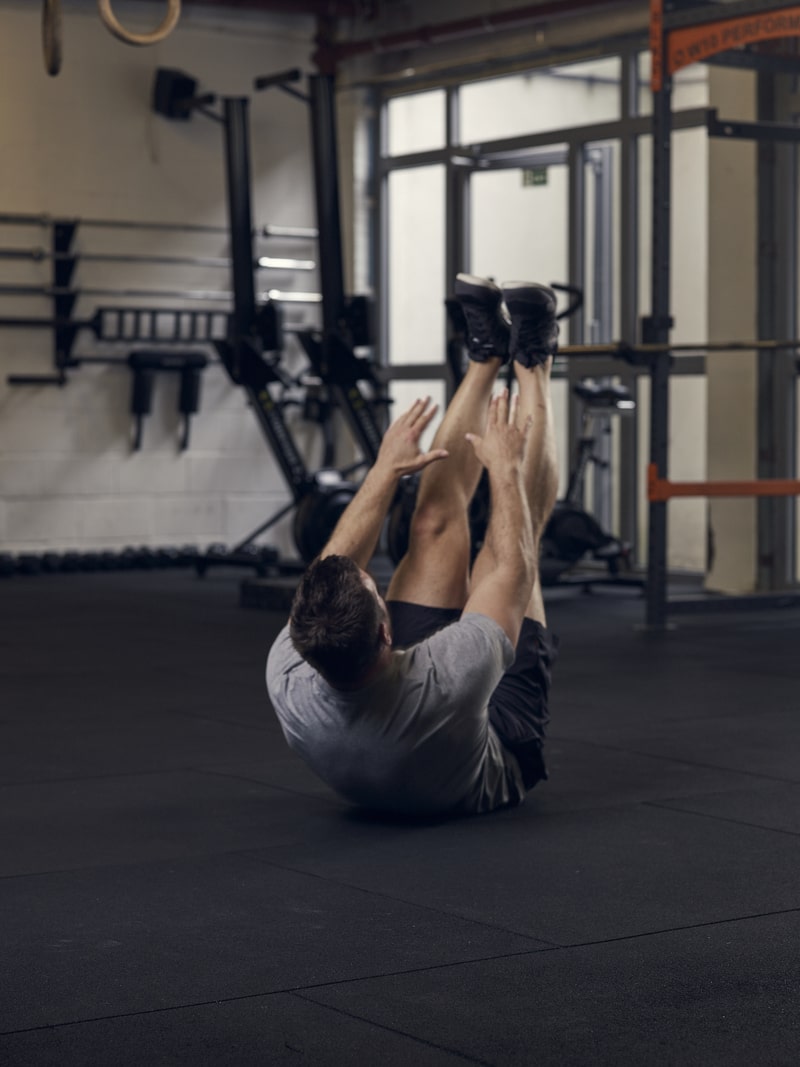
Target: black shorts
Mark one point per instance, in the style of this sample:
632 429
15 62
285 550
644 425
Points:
518 707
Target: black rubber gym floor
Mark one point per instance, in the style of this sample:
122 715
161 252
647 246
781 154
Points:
176 888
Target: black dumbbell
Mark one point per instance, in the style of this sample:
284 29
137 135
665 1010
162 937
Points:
8 565
29 563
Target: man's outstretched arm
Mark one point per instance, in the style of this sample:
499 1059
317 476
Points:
504 577
357 531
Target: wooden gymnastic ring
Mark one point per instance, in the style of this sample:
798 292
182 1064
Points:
113 25
51 36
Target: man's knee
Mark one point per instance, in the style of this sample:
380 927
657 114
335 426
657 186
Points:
434 522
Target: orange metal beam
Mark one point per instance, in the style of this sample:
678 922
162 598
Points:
659 489
657 45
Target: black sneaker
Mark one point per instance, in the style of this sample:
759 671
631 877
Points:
534 330
487 326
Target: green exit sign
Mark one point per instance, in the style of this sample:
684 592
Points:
534 176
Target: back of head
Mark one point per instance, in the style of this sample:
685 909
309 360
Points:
335 620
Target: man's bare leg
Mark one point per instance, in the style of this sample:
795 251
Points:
541 473
435 570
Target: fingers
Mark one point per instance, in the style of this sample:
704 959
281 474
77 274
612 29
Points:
513 410
419 411
503 409
425 417
417 408
493 417
426 459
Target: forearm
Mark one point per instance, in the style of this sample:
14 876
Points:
357 531
505 570
510 530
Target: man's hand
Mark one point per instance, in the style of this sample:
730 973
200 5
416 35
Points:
358 529
502 447
400 452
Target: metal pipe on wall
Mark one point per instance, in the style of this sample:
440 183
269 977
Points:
237 160
474 26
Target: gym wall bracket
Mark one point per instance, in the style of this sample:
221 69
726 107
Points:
145 365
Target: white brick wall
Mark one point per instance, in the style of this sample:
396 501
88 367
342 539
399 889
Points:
86 144
56 474
112 520
188 518
136 475
41 522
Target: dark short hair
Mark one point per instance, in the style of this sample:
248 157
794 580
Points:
335 620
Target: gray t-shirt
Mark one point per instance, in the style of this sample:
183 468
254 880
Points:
417 739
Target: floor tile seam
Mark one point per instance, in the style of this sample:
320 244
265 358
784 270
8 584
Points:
546 945
142 1013
664 805
389 1029
148 772
302 991
554 948
124 864
546 951
259 781
750 917
676 759
298 990
295 991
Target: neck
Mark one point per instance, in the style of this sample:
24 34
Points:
373 672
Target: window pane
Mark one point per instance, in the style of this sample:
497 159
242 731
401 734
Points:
601 271
403 395
541 100
416 123
519 231
416 265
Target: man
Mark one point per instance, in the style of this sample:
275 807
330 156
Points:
434 701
